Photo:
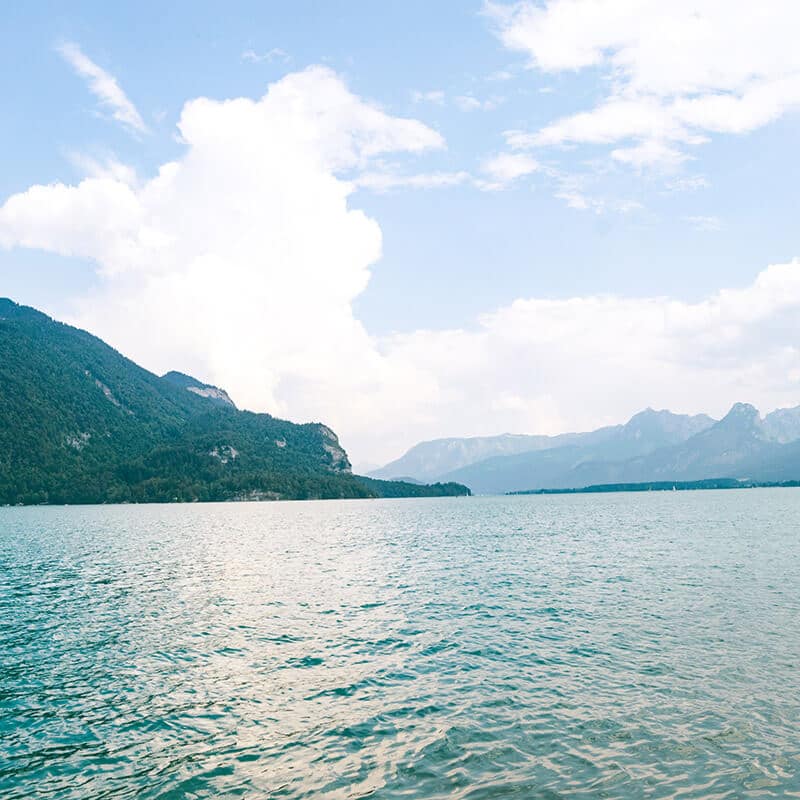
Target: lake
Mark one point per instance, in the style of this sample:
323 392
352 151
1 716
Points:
585 646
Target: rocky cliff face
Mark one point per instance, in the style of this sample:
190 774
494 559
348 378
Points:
206 390
339 460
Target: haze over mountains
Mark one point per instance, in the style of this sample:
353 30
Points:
651 446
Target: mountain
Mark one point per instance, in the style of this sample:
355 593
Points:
644 432
670 448
779 464
212 393
80 423
546 458
429 460
783 425
650 430
723 450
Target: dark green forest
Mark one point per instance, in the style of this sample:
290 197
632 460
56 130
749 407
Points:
383 488
667 486
80 423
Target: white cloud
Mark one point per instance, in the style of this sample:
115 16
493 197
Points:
386 180
674 73
241 260
464 102
106 166
504 168
275 54
541 365
468 102
435 96
648 153
569 189
519 140
104 87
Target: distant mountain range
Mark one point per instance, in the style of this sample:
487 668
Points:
80 423
652 446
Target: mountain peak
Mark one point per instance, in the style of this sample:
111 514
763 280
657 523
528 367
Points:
10 309
664 427
649 414
741 424
742 412
212 393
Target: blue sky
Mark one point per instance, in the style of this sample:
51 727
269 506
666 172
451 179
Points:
640 155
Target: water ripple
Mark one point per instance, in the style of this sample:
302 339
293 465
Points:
535 647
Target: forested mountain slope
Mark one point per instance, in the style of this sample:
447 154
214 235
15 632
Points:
79 422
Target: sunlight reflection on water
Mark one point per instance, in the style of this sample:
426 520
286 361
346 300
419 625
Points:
585 646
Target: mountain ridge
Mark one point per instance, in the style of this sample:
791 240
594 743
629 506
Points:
207 390
81 423
651 446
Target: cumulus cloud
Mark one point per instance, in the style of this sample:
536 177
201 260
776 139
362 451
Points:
104 87
240 262
674 73
241 259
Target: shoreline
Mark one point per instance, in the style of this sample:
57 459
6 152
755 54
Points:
665 486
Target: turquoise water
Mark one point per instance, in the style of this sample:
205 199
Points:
617 646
